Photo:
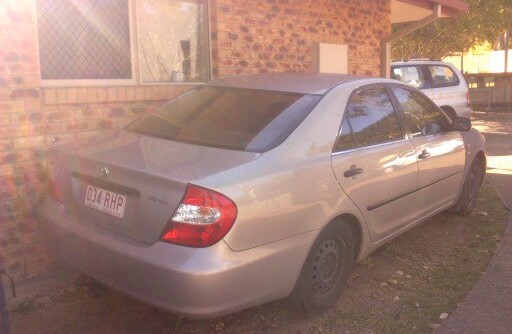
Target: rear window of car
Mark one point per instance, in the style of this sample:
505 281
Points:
232 118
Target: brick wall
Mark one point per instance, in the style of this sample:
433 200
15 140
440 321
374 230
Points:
279 35
32 119
247 37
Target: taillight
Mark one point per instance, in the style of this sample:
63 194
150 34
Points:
202 219
468 99
54 189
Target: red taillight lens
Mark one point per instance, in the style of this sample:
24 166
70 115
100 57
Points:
468 99
54 190
202 219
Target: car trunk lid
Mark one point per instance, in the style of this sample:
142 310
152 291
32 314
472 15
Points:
140 180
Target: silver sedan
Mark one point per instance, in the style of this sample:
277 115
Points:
256 188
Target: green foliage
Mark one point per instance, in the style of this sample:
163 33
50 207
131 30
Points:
484 22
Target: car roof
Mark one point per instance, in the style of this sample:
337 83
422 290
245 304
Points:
318 84
419 62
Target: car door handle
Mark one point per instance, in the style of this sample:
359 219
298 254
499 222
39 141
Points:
424 155
353 171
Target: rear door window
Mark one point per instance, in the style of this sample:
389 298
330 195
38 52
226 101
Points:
422 117
232 118
372 118
443 76
411 75
345 138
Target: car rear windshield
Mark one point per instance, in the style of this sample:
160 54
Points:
232 118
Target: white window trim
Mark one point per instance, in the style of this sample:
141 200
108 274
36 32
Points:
134 48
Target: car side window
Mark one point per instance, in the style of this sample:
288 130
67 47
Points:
411 75
422 117
372 119
443 76
345 138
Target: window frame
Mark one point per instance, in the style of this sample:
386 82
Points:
345 117
400 111
135 80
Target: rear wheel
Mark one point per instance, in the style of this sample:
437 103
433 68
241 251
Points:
469 196
326 270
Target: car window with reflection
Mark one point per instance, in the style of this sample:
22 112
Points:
345 139
232 118
422 117
443 76
411 75
373 118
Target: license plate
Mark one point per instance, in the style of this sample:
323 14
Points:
105 201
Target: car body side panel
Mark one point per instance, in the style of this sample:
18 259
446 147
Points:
390 171
474 142
441 174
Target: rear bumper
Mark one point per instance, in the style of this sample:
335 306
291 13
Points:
199 283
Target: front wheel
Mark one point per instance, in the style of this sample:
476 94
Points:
326 270
469 196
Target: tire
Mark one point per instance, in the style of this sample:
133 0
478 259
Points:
326 269
469 196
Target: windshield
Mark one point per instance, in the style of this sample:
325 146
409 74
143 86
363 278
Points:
233 118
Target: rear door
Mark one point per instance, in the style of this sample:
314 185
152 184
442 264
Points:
440 151
447 88
374 163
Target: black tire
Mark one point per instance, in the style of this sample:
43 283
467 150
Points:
326 270
469 196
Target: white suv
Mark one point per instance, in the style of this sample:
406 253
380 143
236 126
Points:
440 81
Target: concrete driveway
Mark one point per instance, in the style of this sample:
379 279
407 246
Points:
487 308
497 129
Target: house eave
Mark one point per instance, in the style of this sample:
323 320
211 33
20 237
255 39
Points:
415 10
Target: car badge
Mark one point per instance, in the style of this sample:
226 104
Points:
102 171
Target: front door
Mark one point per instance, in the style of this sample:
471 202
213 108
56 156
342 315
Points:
440 150
374 163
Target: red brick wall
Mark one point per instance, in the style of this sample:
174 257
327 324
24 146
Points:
280 35
32 119
247 37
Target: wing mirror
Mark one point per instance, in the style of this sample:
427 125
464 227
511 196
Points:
461 124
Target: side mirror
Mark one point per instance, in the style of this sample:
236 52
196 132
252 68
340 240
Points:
461 124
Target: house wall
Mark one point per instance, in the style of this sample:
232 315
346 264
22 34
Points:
33 118
247 37
280 35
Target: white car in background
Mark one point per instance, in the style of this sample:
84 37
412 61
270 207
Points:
440 81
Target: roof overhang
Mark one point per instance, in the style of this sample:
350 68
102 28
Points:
415 10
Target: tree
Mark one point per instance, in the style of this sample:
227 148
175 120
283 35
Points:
484 22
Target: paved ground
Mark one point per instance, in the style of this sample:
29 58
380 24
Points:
488 307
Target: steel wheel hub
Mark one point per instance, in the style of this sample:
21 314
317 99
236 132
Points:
326 266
